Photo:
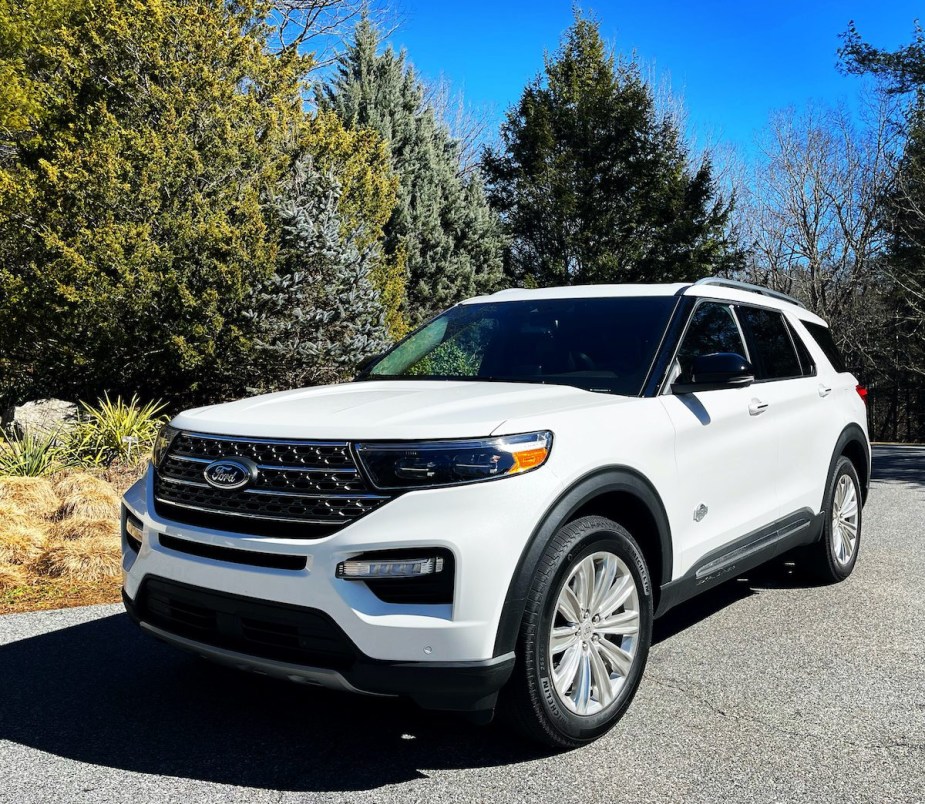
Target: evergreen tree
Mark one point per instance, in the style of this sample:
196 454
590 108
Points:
441 231
594 185
139 141
902 73
319 315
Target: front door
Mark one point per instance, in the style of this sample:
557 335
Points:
726 451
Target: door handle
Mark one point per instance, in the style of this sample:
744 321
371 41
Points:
756 407
824 390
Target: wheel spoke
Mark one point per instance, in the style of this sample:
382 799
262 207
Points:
619 659
603 582
569 606
562 637
581 693
626 623
618 594
850 507
584 583
564 674
602 682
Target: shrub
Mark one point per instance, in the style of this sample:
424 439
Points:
31 455
114 430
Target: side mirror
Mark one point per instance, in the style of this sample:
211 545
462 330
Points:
714 372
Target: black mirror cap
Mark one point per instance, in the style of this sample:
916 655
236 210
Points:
716 371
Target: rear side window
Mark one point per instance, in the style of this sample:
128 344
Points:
823 337
772 351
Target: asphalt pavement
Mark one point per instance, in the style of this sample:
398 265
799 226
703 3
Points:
763 690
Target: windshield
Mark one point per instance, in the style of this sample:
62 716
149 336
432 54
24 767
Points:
600 344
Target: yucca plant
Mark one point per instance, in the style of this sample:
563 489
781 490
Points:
114 429
30 455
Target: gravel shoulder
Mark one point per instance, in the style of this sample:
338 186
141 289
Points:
763 690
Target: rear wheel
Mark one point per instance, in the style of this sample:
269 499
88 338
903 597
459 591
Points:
833 557
585 635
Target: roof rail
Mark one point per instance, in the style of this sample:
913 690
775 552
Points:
736 285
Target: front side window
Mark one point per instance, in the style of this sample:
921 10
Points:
712 329
772 351
598 344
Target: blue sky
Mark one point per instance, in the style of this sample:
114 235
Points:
733 62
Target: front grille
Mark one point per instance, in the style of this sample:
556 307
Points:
304 489
245 625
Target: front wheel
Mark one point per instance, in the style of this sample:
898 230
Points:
585 635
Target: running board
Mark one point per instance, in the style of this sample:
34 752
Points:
741 556
735 557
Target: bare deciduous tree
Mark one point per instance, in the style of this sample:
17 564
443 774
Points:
319 26
812 210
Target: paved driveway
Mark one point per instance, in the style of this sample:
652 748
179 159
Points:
762 691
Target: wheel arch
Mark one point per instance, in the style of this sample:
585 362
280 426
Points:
616 492
852 444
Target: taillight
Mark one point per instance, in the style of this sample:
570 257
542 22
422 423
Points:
862 392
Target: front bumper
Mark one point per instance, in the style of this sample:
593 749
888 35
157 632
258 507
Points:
451 686
485 526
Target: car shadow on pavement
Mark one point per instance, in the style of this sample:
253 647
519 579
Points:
105 694
899 463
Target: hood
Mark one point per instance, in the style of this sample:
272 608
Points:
392 409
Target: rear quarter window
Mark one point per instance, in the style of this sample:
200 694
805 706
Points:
823 338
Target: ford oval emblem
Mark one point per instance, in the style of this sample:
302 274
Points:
229 473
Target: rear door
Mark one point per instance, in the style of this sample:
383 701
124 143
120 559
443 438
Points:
799 404
725 447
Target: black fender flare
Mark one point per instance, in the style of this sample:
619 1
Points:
601 481
851 434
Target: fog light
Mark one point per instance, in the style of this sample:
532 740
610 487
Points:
133 530
361 569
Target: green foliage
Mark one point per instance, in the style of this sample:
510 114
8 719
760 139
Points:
367 191
142 139
31 455
320 314
441 229
114 429
594 185
902 70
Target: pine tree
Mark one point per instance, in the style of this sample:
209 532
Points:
132 215
594 185
319 315
442 228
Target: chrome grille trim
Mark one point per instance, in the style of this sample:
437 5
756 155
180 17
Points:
286 441
282 491
246 516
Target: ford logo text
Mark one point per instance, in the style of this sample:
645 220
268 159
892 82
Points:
229 473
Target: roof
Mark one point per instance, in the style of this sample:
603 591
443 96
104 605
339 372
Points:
713 291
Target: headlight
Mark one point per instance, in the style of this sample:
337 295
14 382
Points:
423 464
162 443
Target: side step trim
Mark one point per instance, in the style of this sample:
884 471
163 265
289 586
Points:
735 556
742 555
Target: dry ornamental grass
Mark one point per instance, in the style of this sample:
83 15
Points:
33 495
22 544
91 500
11 576
94 558
59 541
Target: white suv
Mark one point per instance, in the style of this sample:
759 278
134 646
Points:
504 501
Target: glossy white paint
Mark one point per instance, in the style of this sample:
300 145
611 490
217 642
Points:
703 448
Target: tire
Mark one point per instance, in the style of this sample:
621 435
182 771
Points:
833 557
610 662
